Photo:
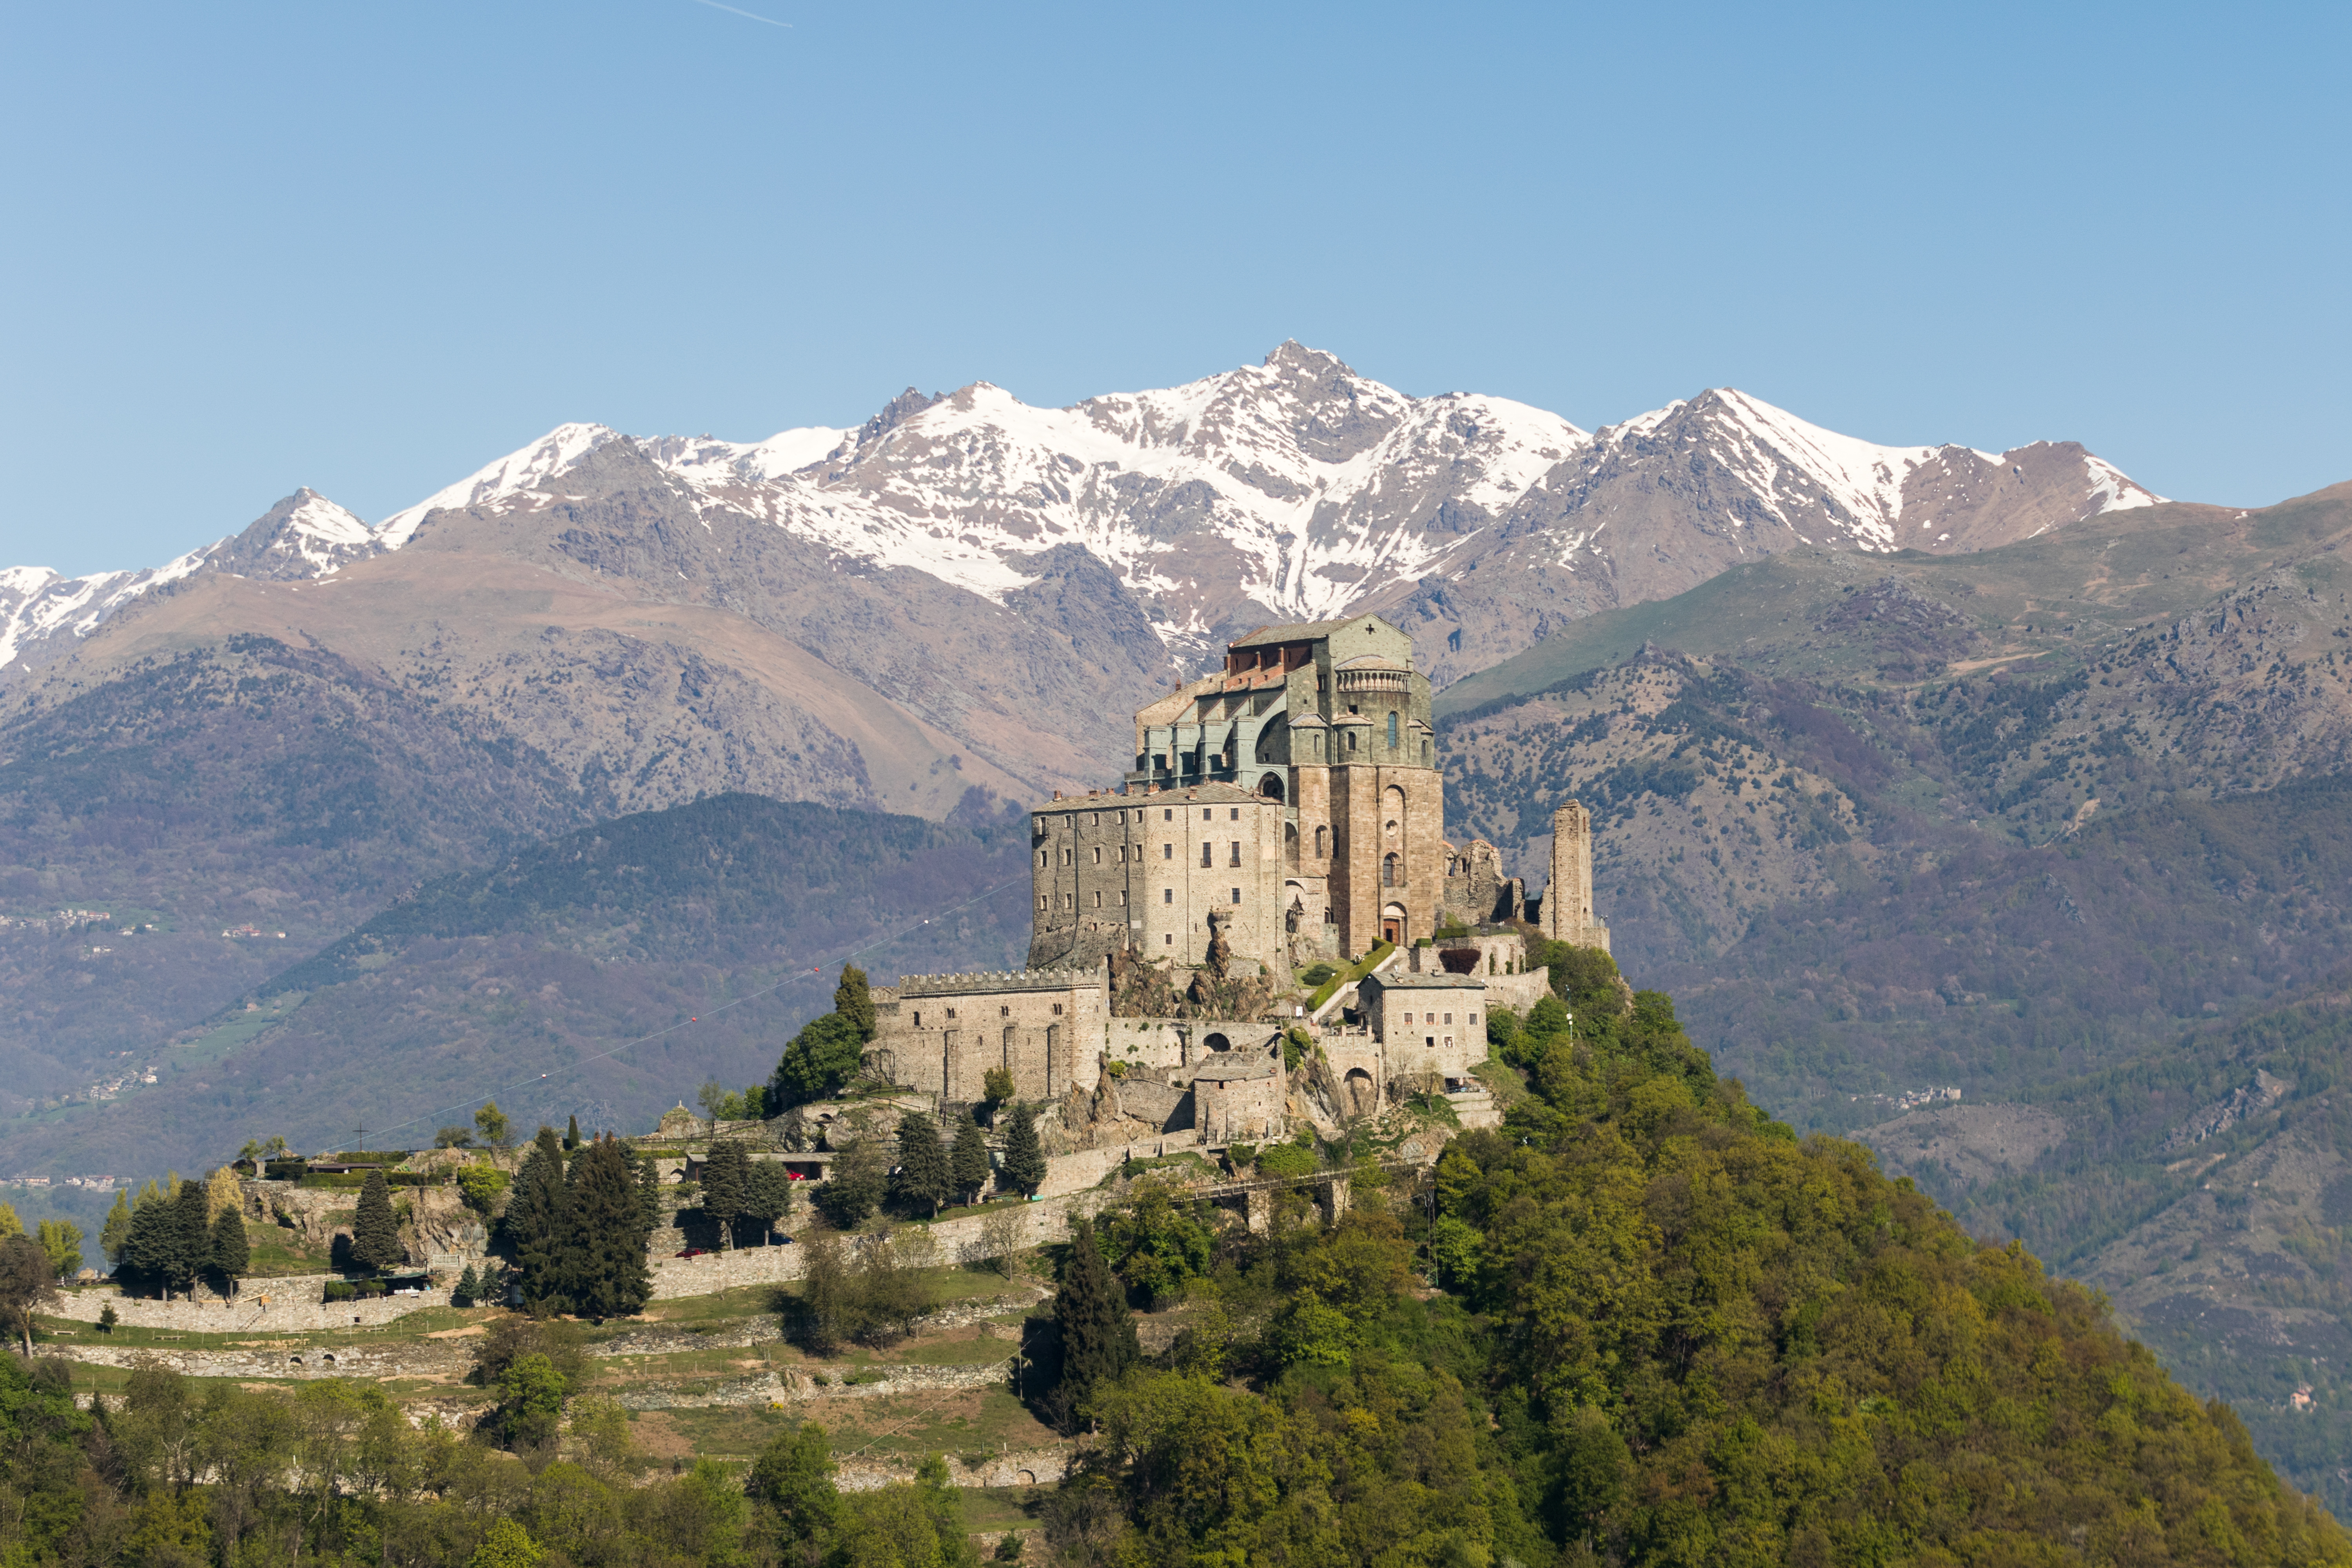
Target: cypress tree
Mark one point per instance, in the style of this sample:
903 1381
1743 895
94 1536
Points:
147 1239
232 1257
968 1164
572 1135
924 1176
602 1250
468 1287
191 1243
535 1217
1024 1157
1097 1334
854 1001
724 1177
375 1234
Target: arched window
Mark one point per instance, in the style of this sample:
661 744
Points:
1387 870
1392 731
1321 852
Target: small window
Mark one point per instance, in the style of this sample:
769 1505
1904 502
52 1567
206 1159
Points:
1328 919
1040 859
1472 1020
1392 731
1057 1009
1040 900
1098 899
1167 895
1097 855
1168 851
1168 938
1238 895
1320 852
1122 897
1351 740
1206 814
1168 814
1004 1012
1237 813
919 1020
950 1011
1208 853
1237 852
1449 1017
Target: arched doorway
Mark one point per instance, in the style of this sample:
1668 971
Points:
1393 924
1270 787
1362 1095
1218 1043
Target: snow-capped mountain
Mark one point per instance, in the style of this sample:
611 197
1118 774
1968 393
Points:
1292 489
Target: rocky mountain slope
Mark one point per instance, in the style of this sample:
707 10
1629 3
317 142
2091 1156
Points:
1292 489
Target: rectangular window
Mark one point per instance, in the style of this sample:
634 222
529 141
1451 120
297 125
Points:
1208 853
1238 895
1004 1012
1040 859
1168 851
1098 905
950 1011
1167 895
1449 1017
1473 1020
919 1020
1057 1009
1122 897
1168 814
1097 855
1237 852
1040 900
1206 814
1237 813
1168 938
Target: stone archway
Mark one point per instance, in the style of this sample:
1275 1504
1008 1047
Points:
1217 1043
1361 1094
1270 787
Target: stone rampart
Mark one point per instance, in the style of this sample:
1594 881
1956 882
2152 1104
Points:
1012 1468
291 1304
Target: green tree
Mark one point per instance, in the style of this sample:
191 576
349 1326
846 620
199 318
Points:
603 1246
768 1195
823 1057
467 1289
232 1254
924 1178
150 1239
187 1235
1098 1332
530 1402
375 1234
506 1545
725 1176
1024 1156
854 1001
454 1138
9 1224
116 1232
27 1283
61 1239
853 1189
791 1480
534 1220
496 1130
572 1134
968 1163
1156 1244
997 1084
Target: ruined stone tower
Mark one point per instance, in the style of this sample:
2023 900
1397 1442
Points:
1568 900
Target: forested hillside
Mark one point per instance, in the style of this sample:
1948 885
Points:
1640 1322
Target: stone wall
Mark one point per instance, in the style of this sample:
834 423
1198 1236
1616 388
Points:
288 1304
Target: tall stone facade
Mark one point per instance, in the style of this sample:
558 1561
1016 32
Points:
1566 908
1313 754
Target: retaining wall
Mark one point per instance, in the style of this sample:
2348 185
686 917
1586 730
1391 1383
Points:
291 1303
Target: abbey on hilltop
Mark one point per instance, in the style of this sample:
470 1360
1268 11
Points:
1285 811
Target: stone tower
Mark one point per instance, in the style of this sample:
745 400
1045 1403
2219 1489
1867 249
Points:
1568 900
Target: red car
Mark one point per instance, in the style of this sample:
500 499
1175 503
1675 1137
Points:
694 1252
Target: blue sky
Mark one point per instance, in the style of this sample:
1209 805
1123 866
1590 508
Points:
367 248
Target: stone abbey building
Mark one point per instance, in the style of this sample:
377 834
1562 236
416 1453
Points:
1292 799
1290 807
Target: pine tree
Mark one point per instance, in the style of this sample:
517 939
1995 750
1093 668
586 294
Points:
1024 1157
572 1135
534 1219
724 1176
468 1289
1097 1334
191 1243
117 1230
602 1250
375 1234
968 1165
854 1001
232 1256
146 1253
924 1178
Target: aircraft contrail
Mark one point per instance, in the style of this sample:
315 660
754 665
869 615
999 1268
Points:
715 6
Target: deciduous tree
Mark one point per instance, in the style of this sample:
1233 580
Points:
768 1195
26 1285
